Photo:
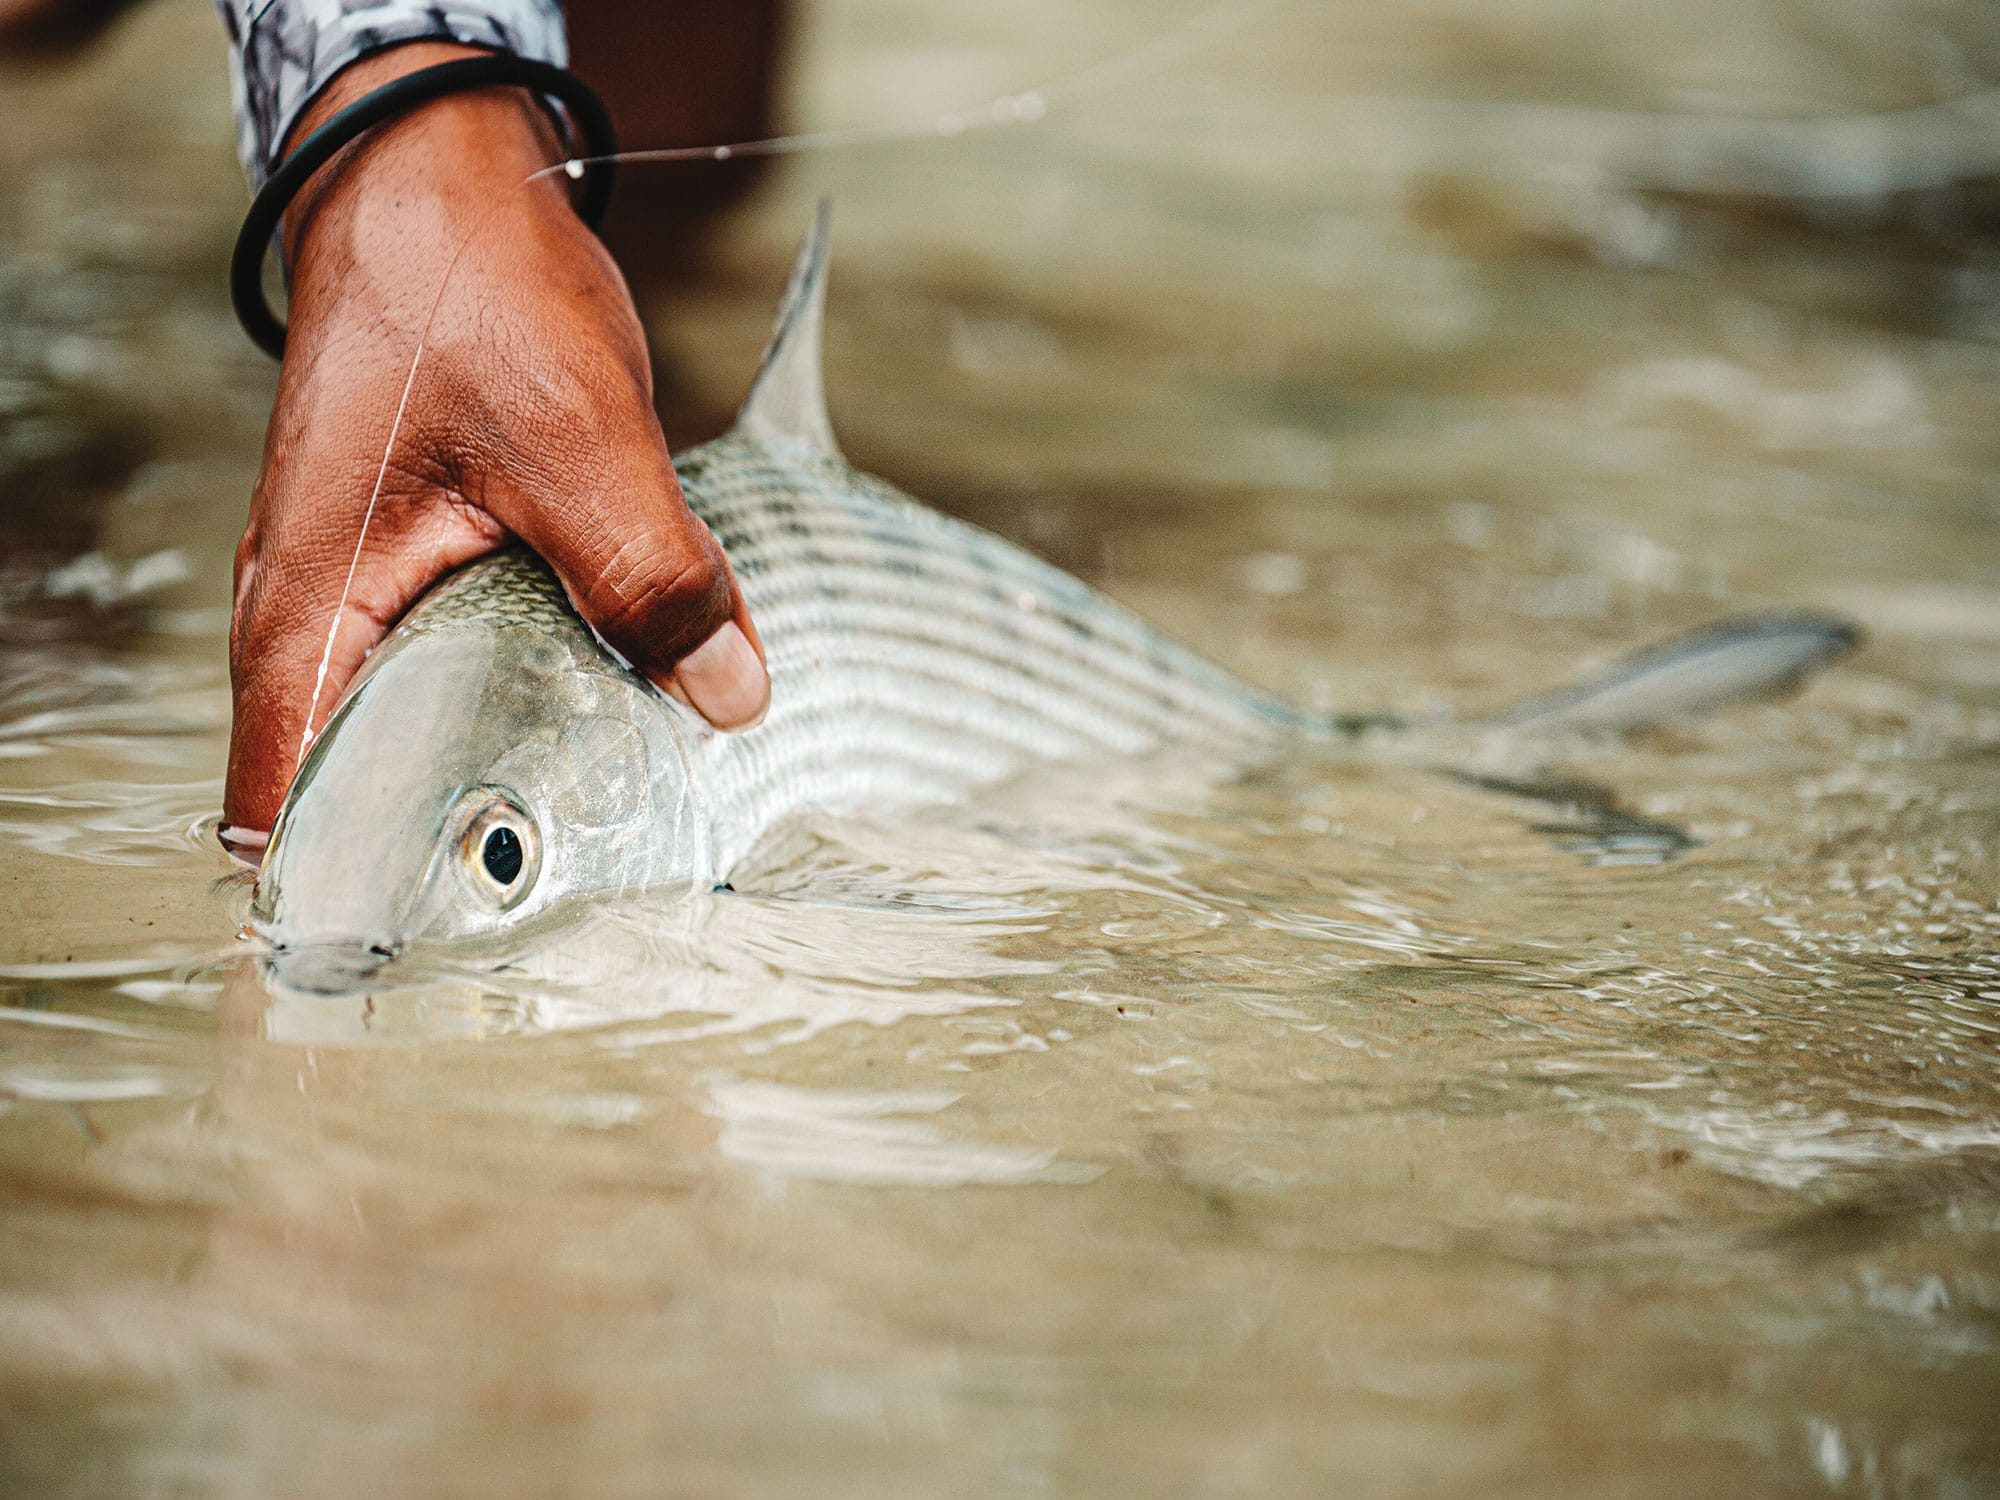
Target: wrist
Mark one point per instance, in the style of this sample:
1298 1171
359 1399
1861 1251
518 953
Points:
409 181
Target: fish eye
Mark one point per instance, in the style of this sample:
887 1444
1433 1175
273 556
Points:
502 855
500 851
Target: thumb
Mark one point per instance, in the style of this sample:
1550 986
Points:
642 568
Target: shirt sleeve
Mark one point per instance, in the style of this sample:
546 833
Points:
283 52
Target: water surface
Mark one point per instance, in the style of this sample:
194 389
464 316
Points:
1326 1126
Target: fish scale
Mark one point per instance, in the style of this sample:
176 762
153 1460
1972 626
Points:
878 694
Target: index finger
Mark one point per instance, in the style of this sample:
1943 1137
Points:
309 609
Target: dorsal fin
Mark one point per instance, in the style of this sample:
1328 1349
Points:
787 400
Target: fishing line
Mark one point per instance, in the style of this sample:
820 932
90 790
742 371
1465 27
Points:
1025 107
1022 107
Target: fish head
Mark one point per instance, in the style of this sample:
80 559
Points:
476 778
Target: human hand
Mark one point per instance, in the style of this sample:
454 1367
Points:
530 414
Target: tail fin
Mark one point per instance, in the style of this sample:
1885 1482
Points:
1731 662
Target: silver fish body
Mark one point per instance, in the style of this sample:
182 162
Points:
494 762
913 659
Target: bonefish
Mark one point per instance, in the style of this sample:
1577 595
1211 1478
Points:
494 763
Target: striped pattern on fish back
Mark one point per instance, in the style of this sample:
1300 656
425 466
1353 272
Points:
914 656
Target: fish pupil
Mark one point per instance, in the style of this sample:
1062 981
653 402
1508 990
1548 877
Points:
502 855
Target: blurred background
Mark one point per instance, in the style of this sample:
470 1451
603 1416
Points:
1397 354
1567 313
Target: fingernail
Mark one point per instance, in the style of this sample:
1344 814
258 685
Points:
723 681
244 844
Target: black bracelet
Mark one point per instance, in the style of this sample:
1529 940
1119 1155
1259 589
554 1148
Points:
246 262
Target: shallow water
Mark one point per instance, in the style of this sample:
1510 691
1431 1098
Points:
1330 1126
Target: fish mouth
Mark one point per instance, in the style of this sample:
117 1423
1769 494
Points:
328 968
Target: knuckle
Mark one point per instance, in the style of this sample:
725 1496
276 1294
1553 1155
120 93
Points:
658 602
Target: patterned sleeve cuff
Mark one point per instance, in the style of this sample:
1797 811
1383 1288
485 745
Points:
283 52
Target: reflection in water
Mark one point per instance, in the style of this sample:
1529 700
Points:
865 1138
1624 1125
